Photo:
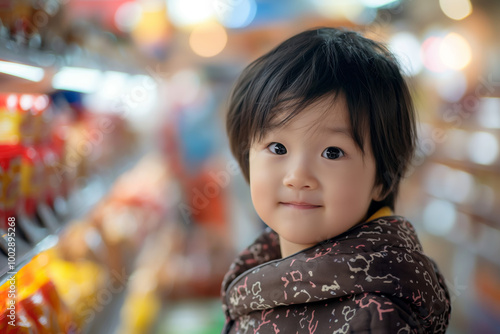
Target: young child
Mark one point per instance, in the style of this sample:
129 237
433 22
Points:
323 128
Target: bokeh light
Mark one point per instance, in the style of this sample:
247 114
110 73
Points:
406 47
379 3
127 16
360 15
451 85
11 102
152 32
27 72
483 148
454 51
456 9
489 112
447 183
439 217
26 101
208 40
433 179
189 12
237 15
111 88
339 9
459 186
78 79
430 54
41 102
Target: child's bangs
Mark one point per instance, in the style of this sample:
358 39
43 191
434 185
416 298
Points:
288 107
285 110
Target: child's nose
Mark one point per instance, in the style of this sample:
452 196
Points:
300 177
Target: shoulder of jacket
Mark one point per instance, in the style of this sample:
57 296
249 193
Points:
381 313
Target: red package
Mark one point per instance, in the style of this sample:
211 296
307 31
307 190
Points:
41 313
22 324
21 118
10 175
64 317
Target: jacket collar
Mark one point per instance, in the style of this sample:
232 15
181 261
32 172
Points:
259 279
382 212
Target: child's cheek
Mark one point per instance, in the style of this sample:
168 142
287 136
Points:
260 197
260 166
263 185
260 176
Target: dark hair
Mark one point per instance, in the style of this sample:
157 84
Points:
327 62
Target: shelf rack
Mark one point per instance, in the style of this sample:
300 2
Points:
78 204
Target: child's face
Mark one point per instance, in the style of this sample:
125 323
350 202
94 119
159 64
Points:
314 160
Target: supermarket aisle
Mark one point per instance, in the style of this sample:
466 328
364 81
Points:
121 207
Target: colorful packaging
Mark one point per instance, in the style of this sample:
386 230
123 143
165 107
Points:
21 118
10 176
31 300
38 296
77 285
40 312
31 108
64 317
10 119
23 324
52 174
32 179
21 124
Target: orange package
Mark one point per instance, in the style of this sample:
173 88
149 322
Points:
13 318
39 298
32 179
32 301
21 117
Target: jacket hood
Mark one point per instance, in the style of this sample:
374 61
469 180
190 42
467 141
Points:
382 256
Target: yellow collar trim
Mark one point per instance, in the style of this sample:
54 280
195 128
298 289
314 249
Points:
382 212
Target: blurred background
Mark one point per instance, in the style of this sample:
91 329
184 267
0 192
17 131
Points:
116 172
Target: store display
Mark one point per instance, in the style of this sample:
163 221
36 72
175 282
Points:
10 167
37 301
37 144
32 179
78 283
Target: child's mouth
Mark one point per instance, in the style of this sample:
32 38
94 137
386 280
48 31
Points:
300 205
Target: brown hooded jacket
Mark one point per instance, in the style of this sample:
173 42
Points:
373 278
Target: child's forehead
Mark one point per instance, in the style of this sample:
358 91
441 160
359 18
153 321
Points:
326 112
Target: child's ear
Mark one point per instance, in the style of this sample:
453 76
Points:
377 193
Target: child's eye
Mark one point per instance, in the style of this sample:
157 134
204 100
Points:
277 148
332 152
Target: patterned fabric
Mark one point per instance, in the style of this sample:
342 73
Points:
374 278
